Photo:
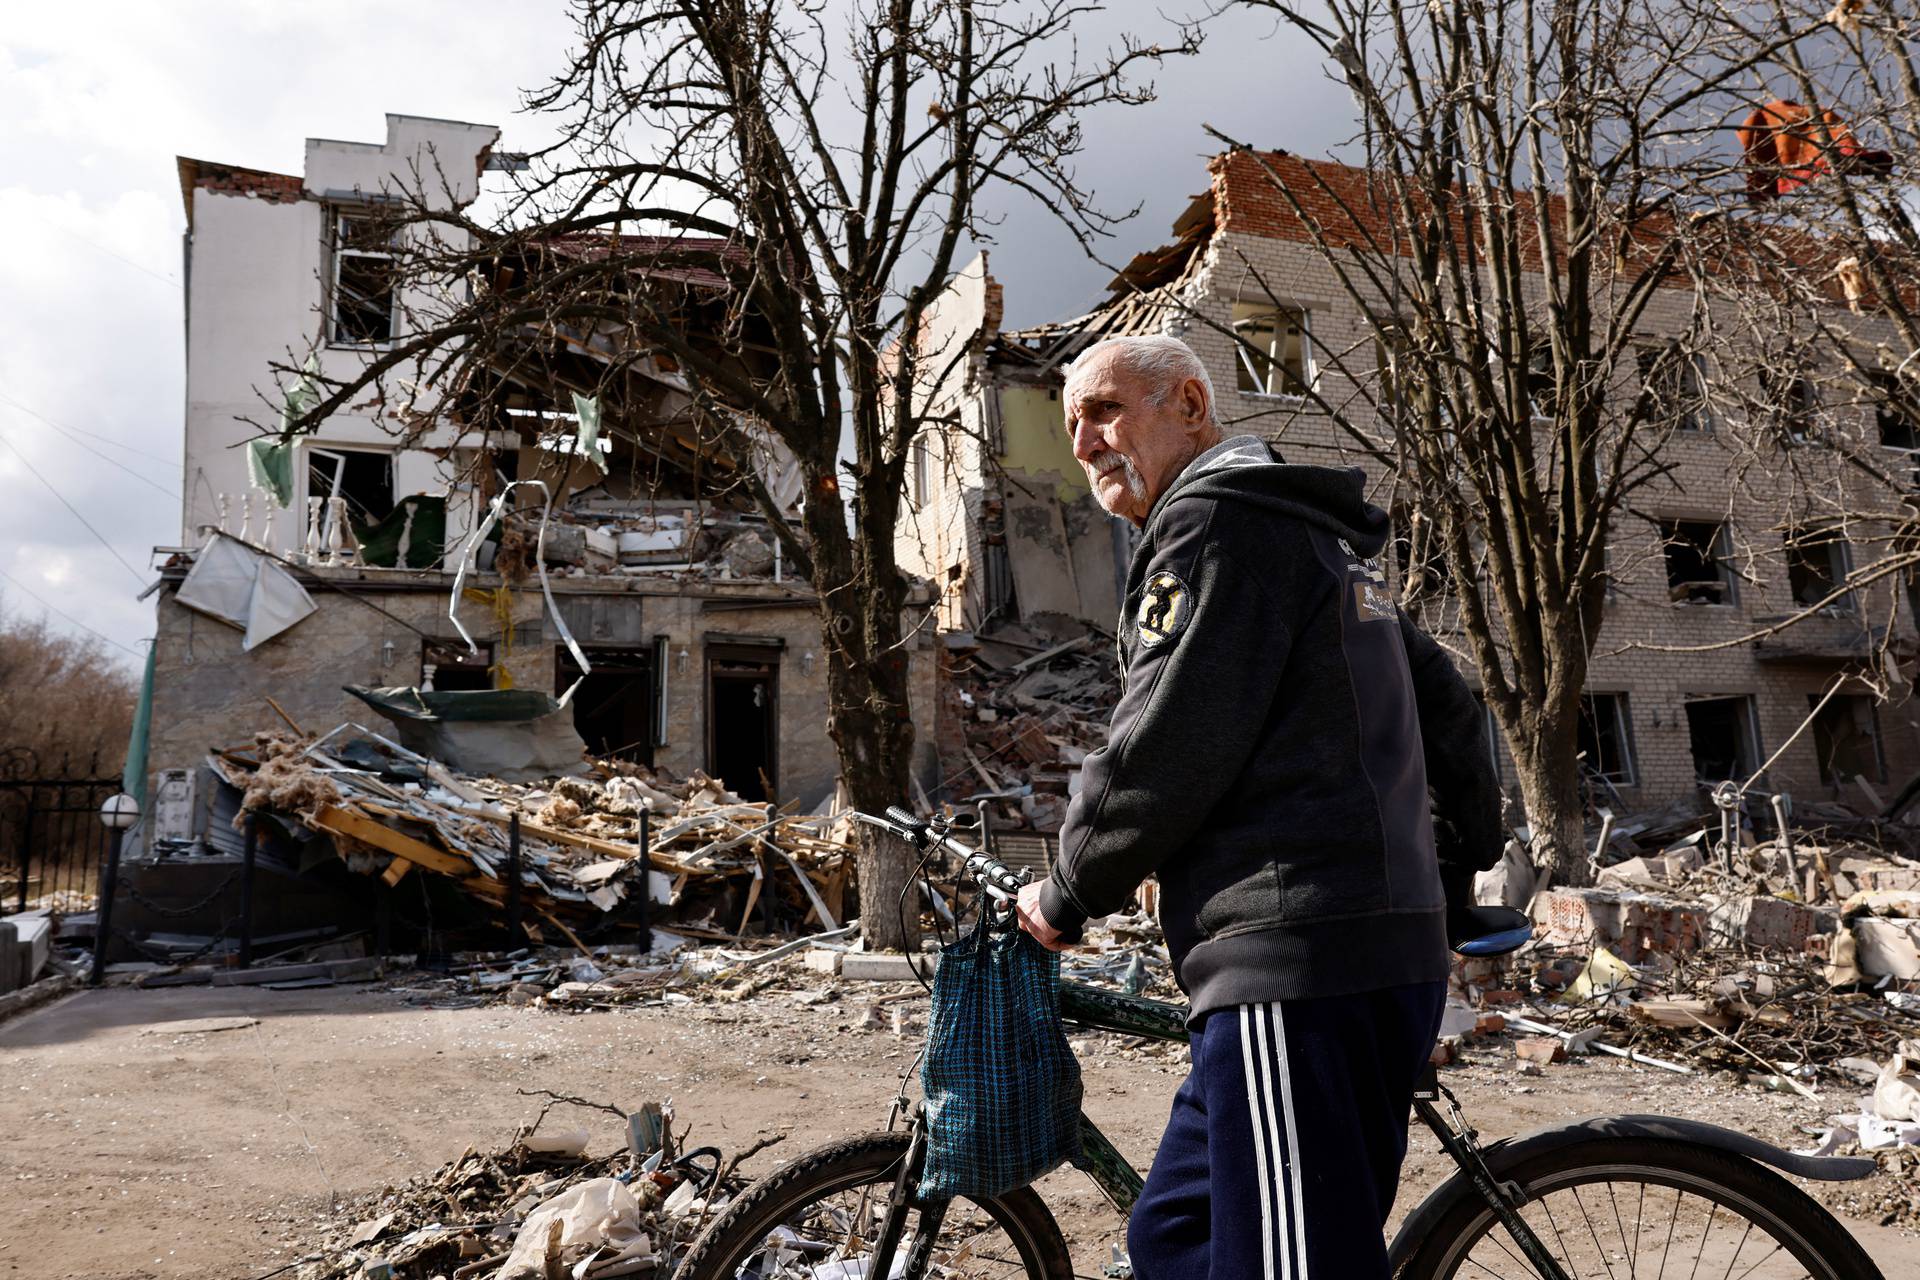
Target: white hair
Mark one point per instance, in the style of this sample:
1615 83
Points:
1166 362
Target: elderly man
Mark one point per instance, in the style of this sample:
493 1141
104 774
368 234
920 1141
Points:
1269 760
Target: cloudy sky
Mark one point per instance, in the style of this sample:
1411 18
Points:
98 103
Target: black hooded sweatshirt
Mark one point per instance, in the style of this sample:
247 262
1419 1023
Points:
1270 757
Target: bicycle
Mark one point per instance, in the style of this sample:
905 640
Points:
1554 1204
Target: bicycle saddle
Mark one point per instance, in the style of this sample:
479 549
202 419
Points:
1487 931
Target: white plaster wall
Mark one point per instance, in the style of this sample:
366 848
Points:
257 297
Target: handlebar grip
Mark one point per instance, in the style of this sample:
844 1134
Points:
901 818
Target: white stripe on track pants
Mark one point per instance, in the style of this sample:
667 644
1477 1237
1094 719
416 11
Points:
1283 1152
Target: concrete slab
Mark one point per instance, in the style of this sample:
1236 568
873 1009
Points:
883 967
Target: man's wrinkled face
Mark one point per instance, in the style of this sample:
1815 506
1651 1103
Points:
1130 447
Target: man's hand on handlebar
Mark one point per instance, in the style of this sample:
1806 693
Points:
1027 907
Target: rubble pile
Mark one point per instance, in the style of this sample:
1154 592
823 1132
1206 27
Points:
592 535
1024 708
541 1207
712 860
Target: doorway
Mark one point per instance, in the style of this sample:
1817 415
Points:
1724 734
613 707
743 718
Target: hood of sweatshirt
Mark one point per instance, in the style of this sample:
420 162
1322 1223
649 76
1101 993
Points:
1248 469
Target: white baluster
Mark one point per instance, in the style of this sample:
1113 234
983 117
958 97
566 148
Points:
246 516
336 531
313 530
220 504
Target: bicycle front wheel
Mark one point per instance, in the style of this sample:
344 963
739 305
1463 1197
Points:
1648 1209
820 1217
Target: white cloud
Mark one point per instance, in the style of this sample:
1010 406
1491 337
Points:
98 102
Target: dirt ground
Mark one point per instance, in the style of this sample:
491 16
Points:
129 1149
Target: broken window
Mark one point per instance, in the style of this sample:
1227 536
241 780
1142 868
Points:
1816 566
364 274
1697 567
1895 411
922 470
1676 385
743 717
1724 735
364 477
1791 402
447 666
613 706
1605 738
1846 737
1275 349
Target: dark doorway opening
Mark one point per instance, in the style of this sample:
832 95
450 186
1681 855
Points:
447 666
743 718
1724 737
613 707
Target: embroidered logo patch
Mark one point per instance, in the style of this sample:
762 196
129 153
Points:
1372 603
1165 607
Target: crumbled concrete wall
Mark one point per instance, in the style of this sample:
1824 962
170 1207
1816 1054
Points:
208 692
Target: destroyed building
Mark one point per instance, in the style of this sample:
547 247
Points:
1002 524
685 642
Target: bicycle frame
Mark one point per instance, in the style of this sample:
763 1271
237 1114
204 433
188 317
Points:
1098 1009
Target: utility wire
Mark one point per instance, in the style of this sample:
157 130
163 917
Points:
97 456
100 248
100 636
68 426
137 575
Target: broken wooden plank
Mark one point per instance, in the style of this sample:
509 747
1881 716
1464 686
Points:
358 826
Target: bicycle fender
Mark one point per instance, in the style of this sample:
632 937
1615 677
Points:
1508 1153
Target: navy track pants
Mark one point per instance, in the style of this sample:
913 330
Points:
1283 1152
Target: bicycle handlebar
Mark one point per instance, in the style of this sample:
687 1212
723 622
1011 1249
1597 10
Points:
993 876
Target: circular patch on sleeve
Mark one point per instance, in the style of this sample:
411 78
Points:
1165 607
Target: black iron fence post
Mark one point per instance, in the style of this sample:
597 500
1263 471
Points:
516 937
103 914
646 880
246 891
26 848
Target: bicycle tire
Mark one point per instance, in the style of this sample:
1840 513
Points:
1812 1238
869 1160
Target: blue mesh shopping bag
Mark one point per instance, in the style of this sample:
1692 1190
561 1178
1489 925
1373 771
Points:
1002 1087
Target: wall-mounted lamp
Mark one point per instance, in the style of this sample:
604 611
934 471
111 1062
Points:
386 654
680 661
806 663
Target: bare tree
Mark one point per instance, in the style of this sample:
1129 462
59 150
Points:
793 179
1529 220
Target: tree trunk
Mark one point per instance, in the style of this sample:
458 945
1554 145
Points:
1547 763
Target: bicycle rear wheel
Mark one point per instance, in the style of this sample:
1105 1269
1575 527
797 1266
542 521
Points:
818 1219
1647 1209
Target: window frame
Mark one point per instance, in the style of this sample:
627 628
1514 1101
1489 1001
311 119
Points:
337 252
1824 765
1309 376
1720 549
1628 775
1839 551
1700 417
1792 403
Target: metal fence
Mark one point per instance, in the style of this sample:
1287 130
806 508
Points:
51 838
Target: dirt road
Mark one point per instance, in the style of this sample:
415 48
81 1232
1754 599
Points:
130 1148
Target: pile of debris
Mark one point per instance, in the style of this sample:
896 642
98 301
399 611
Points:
1022 710
596 536
542 1207
623 845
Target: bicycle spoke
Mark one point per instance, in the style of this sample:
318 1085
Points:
1724 1242
1600 1250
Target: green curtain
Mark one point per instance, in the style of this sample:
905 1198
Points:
133 780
